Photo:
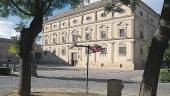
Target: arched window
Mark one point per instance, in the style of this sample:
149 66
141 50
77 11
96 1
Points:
46 40
75 36
122 29
122 33
141 28
122 49
55 38
64 37
103 32
88 34
63 51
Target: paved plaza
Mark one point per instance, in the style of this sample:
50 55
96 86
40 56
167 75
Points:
71 79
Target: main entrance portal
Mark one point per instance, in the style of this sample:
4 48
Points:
74 59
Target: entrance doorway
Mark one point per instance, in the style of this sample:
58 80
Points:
74 59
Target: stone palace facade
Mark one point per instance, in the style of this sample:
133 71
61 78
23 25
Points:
122 36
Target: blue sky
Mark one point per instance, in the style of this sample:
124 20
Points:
7 25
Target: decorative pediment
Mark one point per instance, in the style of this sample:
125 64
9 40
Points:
104 45
88 29
122 44
55 34
74 31
103 27
122 24
64 34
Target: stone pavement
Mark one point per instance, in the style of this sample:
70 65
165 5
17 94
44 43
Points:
71 79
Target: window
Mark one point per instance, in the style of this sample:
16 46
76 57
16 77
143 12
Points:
54 26
141 13
75 36
122 33
141 28
46 40
141 51
103 52
63 51
103 32
88 36
55 38
122 49
88 18
103 14
141 35
63 23
46 28
75 21
86 52
151 20
63 39
103 35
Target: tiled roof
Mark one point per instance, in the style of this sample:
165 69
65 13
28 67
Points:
81 9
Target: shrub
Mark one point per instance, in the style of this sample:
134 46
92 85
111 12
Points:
5 71
165 75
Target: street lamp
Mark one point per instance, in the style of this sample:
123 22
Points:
87 64
95 48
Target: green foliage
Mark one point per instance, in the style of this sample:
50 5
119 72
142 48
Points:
115 7
167 54
20 26
165 75
25 9
134 3
14 49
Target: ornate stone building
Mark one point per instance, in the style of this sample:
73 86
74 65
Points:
123 36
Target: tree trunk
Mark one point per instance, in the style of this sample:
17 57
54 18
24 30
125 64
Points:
28 36
159 44
26 43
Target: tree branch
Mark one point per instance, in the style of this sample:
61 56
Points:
20 8
45 1
47 7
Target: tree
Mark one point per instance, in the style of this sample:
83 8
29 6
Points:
35 10
14 49
167 57
156 52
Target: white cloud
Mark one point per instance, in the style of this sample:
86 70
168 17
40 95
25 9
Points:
6 29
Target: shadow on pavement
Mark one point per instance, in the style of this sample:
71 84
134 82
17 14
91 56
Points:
82 79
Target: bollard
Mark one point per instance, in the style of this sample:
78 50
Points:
114 87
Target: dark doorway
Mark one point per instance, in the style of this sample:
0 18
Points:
74 59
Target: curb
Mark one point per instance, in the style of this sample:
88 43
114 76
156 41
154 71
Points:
61 90
7 93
